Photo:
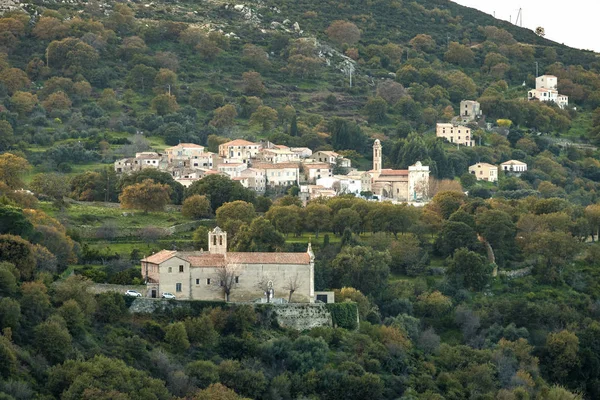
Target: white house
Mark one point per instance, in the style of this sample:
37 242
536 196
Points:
284 174
515 166
546 89
239 151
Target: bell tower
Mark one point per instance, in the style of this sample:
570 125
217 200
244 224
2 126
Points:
217 241
377 156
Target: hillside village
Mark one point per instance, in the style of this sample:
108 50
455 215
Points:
340 200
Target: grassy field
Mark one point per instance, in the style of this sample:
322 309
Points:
97 214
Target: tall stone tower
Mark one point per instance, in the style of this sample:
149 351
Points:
377 156
217 241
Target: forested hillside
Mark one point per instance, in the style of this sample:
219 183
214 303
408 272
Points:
490 291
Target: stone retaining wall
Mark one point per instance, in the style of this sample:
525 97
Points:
297 316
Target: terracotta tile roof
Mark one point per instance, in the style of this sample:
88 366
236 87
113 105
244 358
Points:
160 257
268 258
239 142
393 172
274 166
317 165
198 259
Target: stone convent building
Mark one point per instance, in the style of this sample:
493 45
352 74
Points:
203 275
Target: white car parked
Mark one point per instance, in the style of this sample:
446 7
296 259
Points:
133 293
167 295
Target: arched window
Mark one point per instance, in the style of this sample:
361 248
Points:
215 240
220 240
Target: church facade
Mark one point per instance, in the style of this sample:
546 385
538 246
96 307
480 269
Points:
403 185
209 275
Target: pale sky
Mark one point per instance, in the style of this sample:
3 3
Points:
572 22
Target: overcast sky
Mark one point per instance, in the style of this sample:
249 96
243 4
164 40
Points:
573 22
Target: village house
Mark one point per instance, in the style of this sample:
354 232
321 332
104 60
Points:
183 152
546 89
316 170
455 134
484 172
311 192
470 110
253 179
277 156
330 157
398 185
239 151
232 170
343 184
277 175
207 275
513 166
303 152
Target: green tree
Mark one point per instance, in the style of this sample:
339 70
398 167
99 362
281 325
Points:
343 32
318 218
146 196
16 250
35 303
57 101
74 379
196 207
13 221
233 214
260 235
265 117
8 280
217 391
362 268
164 104
346 218
286 219
405 254
158 177
376 109
14 79
224 117
10 312
176 337
253 83
12 169
497 228
141 77
23 102
53 185
219 190
459 54
204 373
469 269
53 340
562 349
455 235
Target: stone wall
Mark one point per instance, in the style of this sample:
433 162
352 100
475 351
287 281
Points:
517 273
299 317
302 316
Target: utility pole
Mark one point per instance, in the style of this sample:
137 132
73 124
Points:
448 41
536 69
169 86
